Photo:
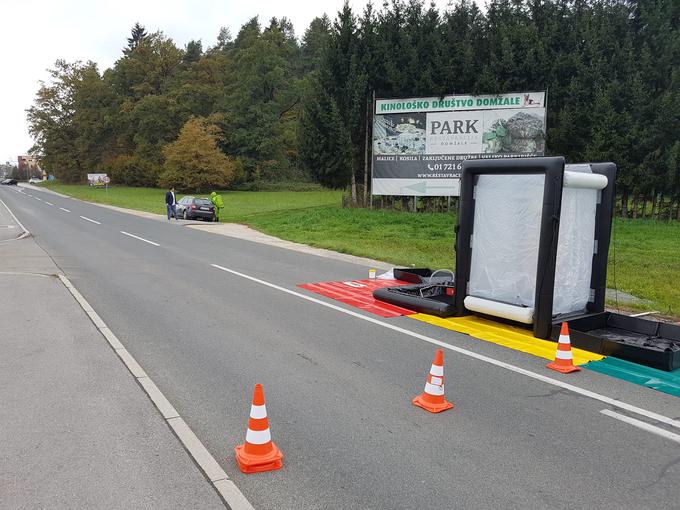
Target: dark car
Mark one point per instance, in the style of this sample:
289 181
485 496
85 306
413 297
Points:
191 208
8 182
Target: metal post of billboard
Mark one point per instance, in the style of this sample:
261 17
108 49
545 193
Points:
370 206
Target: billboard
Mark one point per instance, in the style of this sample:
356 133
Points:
97 179
419 144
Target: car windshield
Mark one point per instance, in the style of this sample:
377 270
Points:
202 201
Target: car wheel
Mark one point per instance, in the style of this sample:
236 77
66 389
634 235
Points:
184 215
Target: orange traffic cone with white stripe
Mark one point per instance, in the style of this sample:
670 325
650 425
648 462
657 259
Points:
564 361
432 399
258 453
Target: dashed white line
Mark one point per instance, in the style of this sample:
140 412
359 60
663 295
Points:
642 425
65 210
139 238
38 198
88 219
48 203
486 359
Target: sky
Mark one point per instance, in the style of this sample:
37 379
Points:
35 33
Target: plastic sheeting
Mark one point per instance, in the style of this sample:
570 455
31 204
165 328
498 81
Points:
505 240
575 247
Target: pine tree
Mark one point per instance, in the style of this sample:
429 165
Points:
137 35
314 43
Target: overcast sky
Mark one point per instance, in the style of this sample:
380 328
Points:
35 33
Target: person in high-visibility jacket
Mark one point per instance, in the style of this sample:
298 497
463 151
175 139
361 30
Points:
218 203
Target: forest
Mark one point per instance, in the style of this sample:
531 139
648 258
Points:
269 106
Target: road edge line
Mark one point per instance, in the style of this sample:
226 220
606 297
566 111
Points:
480 357
26 232
210 468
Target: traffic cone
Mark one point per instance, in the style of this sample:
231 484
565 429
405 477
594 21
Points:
432 399
258 453
563 359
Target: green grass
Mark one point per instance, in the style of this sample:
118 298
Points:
237 204
644 257
644 260
425 240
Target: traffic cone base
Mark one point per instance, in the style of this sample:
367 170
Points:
562 368
421 401
249 463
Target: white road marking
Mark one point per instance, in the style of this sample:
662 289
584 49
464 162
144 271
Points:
48 203
65 210
140 238
581 391
226 488
38 198
642 425
88 219
29 194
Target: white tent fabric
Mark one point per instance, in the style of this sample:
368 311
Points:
505 241
575 247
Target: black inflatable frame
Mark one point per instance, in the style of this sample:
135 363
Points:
553 169
437 302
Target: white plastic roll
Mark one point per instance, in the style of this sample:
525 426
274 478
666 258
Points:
584 180
522 314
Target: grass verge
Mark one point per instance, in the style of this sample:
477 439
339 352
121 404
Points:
644 258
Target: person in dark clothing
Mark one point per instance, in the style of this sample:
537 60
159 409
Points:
171 204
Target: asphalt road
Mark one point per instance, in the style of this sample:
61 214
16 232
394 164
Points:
339 388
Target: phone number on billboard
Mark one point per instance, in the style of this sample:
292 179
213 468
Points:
445 166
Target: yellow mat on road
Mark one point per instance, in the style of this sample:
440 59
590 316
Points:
502 334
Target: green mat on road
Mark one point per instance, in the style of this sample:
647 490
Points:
667 382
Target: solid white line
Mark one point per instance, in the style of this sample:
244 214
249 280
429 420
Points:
202 457
88 219
140 238
48 203
26 232
642 425
65 210
465 352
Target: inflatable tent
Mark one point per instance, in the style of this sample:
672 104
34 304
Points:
528 227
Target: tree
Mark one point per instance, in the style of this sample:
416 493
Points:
192 52
261 109
224 39
324 142
145 68
137 36
51 121
193 162
314 43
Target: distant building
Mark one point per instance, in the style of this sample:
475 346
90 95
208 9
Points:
30 166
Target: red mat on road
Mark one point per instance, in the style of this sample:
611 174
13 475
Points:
359 293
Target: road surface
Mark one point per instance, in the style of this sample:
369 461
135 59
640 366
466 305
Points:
208 316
